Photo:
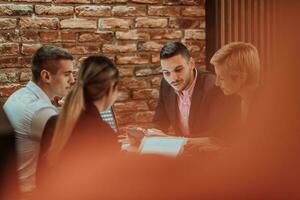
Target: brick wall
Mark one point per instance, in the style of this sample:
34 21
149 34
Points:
131 32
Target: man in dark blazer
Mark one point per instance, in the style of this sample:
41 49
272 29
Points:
189 102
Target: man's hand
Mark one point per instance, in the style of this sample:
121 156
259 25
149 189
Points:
202 144
131 136
154 132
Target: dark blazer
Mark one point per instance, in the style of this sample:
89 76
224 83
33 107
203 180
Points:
210 108
90 135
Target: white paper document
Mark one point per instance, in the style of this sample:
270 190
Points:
169 146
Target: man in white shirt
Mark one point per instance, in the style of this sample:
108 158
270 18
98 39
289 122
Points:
29 108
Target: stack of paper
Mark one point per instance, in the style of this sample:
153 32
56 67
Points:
170 146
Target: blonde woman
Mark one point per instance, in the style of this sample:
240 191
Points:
79 130
237 68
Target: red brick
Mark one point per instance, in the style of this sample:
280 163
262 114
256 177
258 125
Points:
15 10
130 106
79 23
152 104
156 70
28 36
9 36
6 91
185 23
148 1
123 95
202 24
119 48
39 23
133 59
109 1
194 11
108 23
125 118
145 94
68 36
3 77
134 118
150 46
163 11
101 36
199 57
29 49
133 35
26 75
194 34
143 71
121 11
194 45
166 34
32 1
146 71
72 1
9 62
9 49
9 75
142 117
93 11
7 23
49 36
155 81
184 2
133 83
146 22
126 71
54 10
155 58
81 49
80 60
25 61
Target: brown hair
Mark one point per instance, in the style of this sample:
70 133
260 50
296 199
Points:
46 57
95 77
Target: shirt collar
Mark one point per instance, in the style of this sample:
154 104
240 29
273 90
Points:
38 91
189 90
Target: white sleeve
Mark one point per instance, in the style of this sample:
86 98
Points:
39 121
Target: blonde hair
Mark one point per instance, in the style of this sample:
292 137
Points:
95 76
239 58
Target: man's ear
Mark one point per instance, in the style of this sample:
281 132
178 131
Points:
45 76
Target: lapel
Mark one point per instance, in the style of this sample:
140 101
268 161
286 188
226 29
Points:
196 100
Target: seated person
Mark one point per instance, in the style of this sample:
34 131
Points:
189 102
29 108
79 128
237 67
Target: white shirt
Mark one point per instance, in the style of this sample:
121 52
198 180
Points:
28 109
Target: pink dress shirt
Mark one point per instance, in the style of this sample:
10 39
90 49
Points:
184 104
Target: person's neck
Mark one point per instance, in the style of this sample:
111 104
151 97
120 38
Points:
247 93
45 89
100 105
191 80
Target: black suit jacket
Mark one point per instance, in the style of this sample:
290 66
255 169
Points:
210 109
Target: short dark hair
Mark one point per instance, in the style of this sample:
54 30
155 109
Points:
174 48
46 57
